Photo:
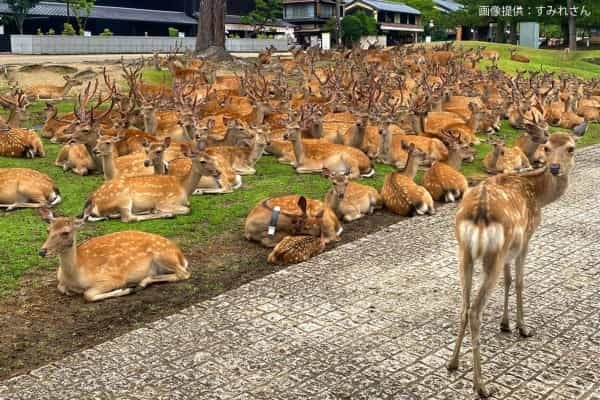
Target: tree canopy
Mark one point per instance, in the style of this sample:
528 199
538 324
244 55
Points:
265 11
356 25
20 9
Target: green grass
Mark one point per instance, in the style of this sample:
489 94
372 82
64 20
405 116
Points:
547 60
23 232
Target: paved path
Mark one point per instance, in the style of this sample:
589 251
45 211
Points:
374 319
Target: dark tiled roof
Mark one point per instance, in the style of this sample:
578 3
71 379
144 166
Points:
106 12
387 6
448 5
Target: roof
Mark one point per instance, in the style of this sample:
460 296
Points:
448 5
53 9
380 5
237 19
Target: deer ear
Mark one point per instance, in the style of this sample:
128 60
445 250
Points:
302 204
46 214
210 124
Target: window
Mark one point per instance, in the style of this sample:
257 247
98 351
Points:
327 11
299 11
412 19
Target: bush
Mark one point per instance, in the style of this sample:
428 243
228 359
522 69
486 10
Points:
39 32
51 32
356 25
173 32
106 32
68 29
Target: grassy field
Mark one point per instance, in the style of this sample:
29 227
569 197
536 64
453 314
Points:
23 232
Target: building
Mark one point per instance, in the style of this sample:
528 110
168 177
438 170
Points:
397 21
135 17
309 17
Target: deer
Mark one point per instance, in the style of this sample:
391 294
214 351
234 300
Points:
266 56
112 265
75 157
158 196
17 106
297 249
27 188
487 231
273 219
50 92
22 143
135 164
349 200
531 141
56 129
310 155
504 159
401 194
518 57
242 159
443 180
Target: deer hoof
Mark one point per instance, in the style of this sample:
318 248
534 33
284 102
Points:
505 326
452 365
484 392
526 332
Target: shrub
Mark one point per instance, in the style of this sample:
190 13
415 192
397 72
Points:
173 32
68 29
106 32
51 32
39 31
351 29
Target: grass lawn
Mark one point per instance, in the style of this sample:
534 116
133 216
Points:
23 232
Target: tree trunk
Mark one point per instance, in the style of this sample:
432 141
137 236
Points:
500 34
513 32
572 27
338 24
206 31
219 9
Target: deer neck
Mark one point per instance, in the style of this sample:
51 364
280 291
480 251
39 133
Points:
298 151
190 182
150 121
317 129
109 165
454 159
418 123
65 89
68 262
332 199
14 119
257 152
474 121
358 135
436 105
529 146
412 166
547 187
494 157
385 144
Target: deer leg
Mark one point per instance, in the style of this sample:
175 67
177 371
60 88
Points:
465 270
245 171
11 207
157 279
96 294
519 273
492 265
505 325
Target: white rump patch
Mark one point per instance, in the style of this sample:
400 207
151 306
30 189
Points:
57 199
423 209
479 239
369 174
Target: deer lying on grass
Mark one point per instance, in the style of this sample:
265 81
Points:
350 201
242 159
223 180
531 142
310 155
273 219
503 159
495 223
17 109
518 57
142 198
26 188
401 194
135 164
112 265
56 129
51 92
444 180
18 142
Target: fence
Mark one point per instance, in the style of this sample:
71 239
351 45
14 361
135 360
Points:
40 44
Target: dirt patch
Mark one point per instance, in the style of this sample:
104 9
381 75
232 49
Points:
56 69
39 325
593 60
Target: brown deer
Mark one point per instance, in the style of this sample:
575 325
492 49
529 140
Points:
494 223
49 92
518 57
135 164
531 141
444 180
297 249
18 142
17 106
160 196
112 265
504 159
56 128
26 188
273 219
401 194
349 200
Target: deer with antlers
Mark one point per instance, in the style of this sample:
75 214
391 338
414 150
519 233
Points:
26 188
112 265
495 223
273 219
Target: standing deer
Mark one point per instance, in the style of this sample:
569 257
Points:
494 223
112 265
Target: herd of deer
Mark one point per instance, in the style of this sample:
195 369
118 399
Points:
332 113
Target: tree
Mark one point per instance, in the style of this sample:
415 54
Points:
20 10
572 27
356 25
211 25
338 23
265 11
81 10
